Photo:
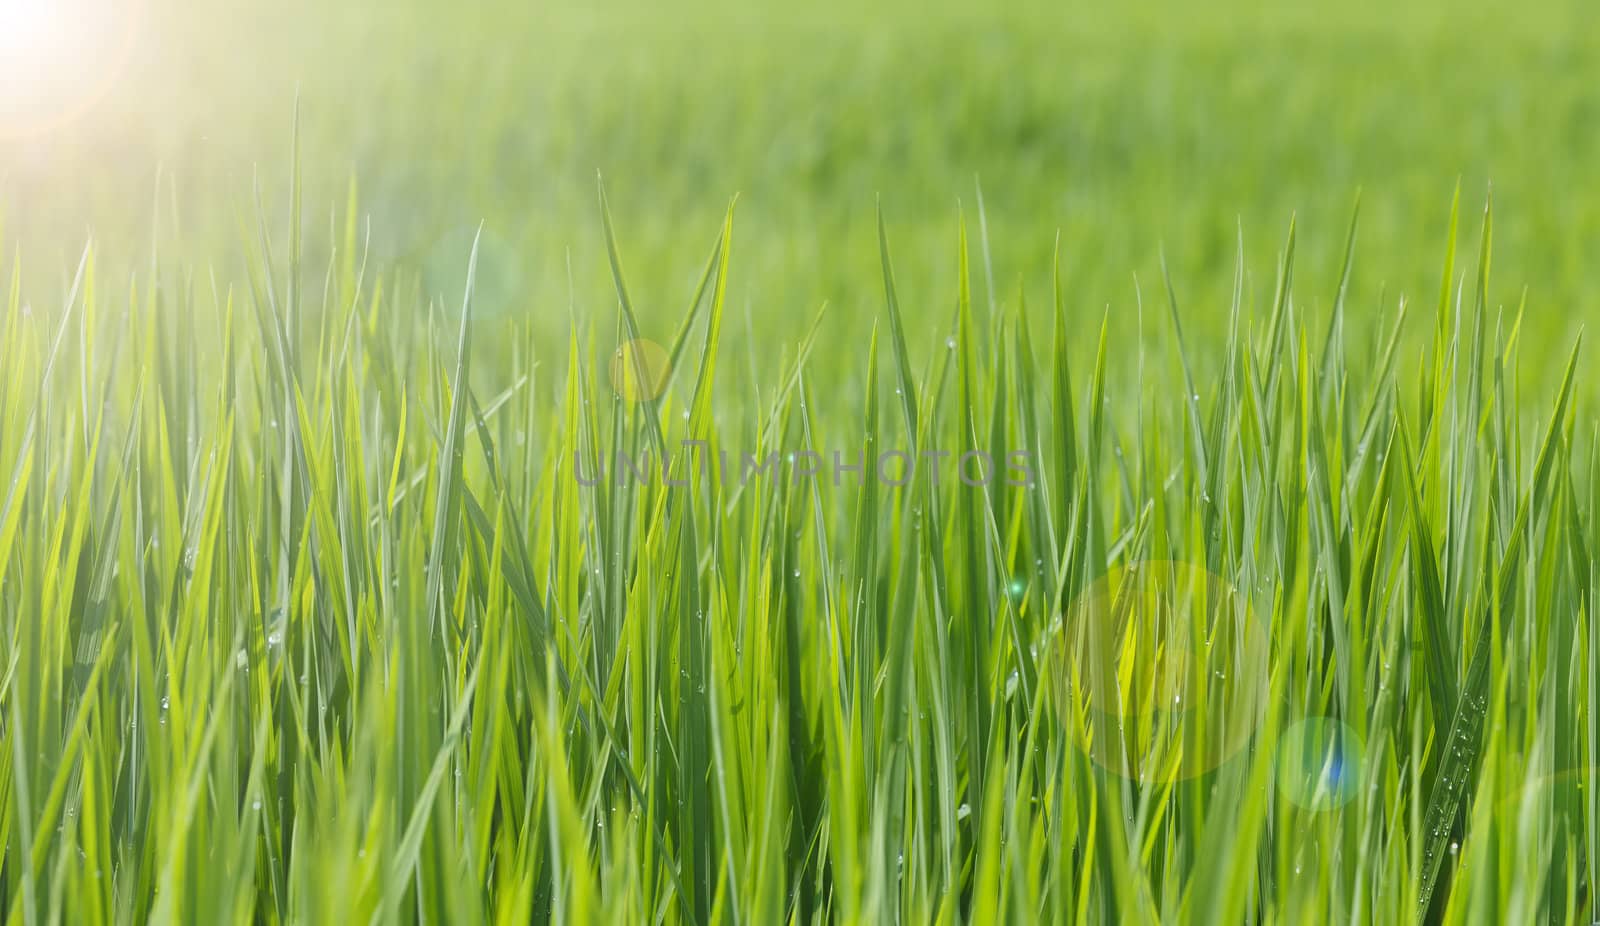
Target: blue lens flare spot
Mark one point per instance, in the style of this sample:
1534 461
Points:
1319 763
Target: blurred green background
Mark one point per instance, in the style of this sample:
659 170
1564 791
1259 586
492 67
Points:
1178 128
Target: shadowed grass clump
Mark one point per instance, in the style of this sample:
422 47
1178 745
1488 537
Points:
319 603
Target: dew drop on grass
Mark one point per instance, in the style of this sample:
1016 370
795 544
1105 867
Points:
950 343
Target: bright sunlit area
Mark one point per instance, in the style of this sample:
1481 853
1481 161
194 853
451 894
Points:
58 58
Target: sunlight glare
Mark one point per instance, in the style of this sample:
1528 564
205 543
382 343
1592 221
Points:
27 30
57 58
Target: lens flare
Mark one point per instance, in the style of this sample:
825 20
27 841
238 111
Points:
26 26
639 370
498 283
1161 671
1319 763
60 57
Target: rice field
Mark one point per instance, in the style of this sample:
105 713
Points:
719 465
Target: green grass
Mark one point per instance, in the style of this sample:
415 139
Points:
307 615
305 626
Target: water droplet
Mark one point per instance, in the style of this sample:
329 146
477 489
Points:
950 343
